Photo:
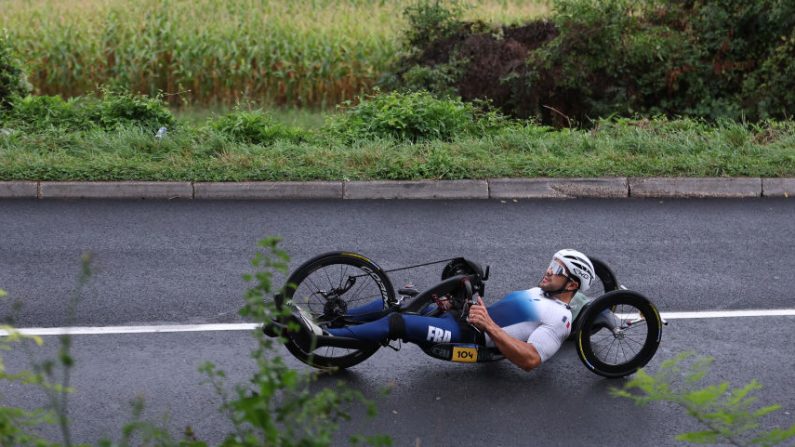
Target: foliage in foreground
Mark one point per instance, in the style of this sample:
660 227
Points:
275 408
730 415
17 424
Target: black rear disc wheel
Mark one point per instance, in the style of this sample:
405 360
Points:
604 282
605 279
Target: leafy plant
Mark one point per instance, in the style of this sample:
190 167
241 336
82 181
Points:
42 113
774 81
114 110
13 80
431 20
255 127
123 108
730 415
414 116
16 424
440 79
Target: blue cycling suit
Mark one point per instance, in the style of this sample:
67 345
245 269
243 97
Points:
526 315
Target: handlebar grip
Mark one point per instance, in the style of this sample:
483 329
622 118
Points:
471 296
473 302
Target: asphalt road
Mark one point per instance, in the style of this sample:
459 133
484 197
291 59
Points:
181 262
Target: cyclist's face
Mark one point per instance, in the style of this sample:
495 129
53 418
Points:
555 277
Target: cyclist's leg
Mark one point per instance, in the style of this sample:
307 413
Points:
367 311
446 328
411 328
375 308
373 331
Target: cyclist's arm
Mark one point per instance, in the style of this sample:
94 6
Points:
520 353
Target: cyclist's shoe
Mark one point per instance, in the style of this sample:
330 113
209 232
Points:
273 329
306 336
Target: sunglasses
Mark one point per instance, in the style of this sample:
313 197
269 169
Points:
556 269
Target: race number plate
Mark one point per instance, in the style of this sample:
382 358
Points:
465 355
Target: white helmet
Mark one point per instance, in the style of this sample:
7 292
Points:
578 266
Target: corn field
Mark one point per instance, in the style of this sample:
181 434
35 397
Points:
306 53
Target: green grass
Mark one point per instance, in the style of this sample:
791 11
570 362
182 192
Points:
615 148
308 119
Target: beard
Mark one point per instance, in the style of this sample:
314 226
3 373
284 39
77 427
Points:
549 288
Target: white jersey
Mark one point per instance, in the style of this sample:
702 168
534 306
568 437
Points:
529 316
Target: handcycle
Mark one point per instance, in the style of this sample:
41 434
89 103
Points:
617 332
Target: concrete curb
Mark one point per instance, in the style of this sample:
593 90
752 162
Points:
268 190
543 188
778 187
19 190
695 187
499 188
419 189
115 190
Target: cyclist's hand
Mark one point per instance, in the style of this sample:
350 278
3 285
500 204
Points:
479 316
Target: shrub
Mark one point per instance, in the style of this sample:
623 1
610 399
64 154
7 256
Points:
707 58
439 79
39 113
112 111
13 82
430 20
415 116
255 127
122 108
774 82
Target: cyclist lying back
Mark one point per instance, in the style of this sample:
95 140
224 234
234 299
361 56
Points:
527 327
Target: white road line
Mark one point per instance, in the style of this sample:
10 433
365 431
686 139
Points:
728 314
154 329
167 328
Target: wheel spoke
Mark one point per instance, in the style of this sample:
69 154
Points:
316 293
633 326
608 348
624 353
342 275
330 282
357 289
314 285
633 340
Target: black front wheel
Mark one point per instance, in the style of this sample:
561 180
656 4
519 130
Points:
328 287
619 333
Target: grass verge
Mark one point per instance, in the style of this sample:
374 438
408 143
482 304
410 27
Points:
200 153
